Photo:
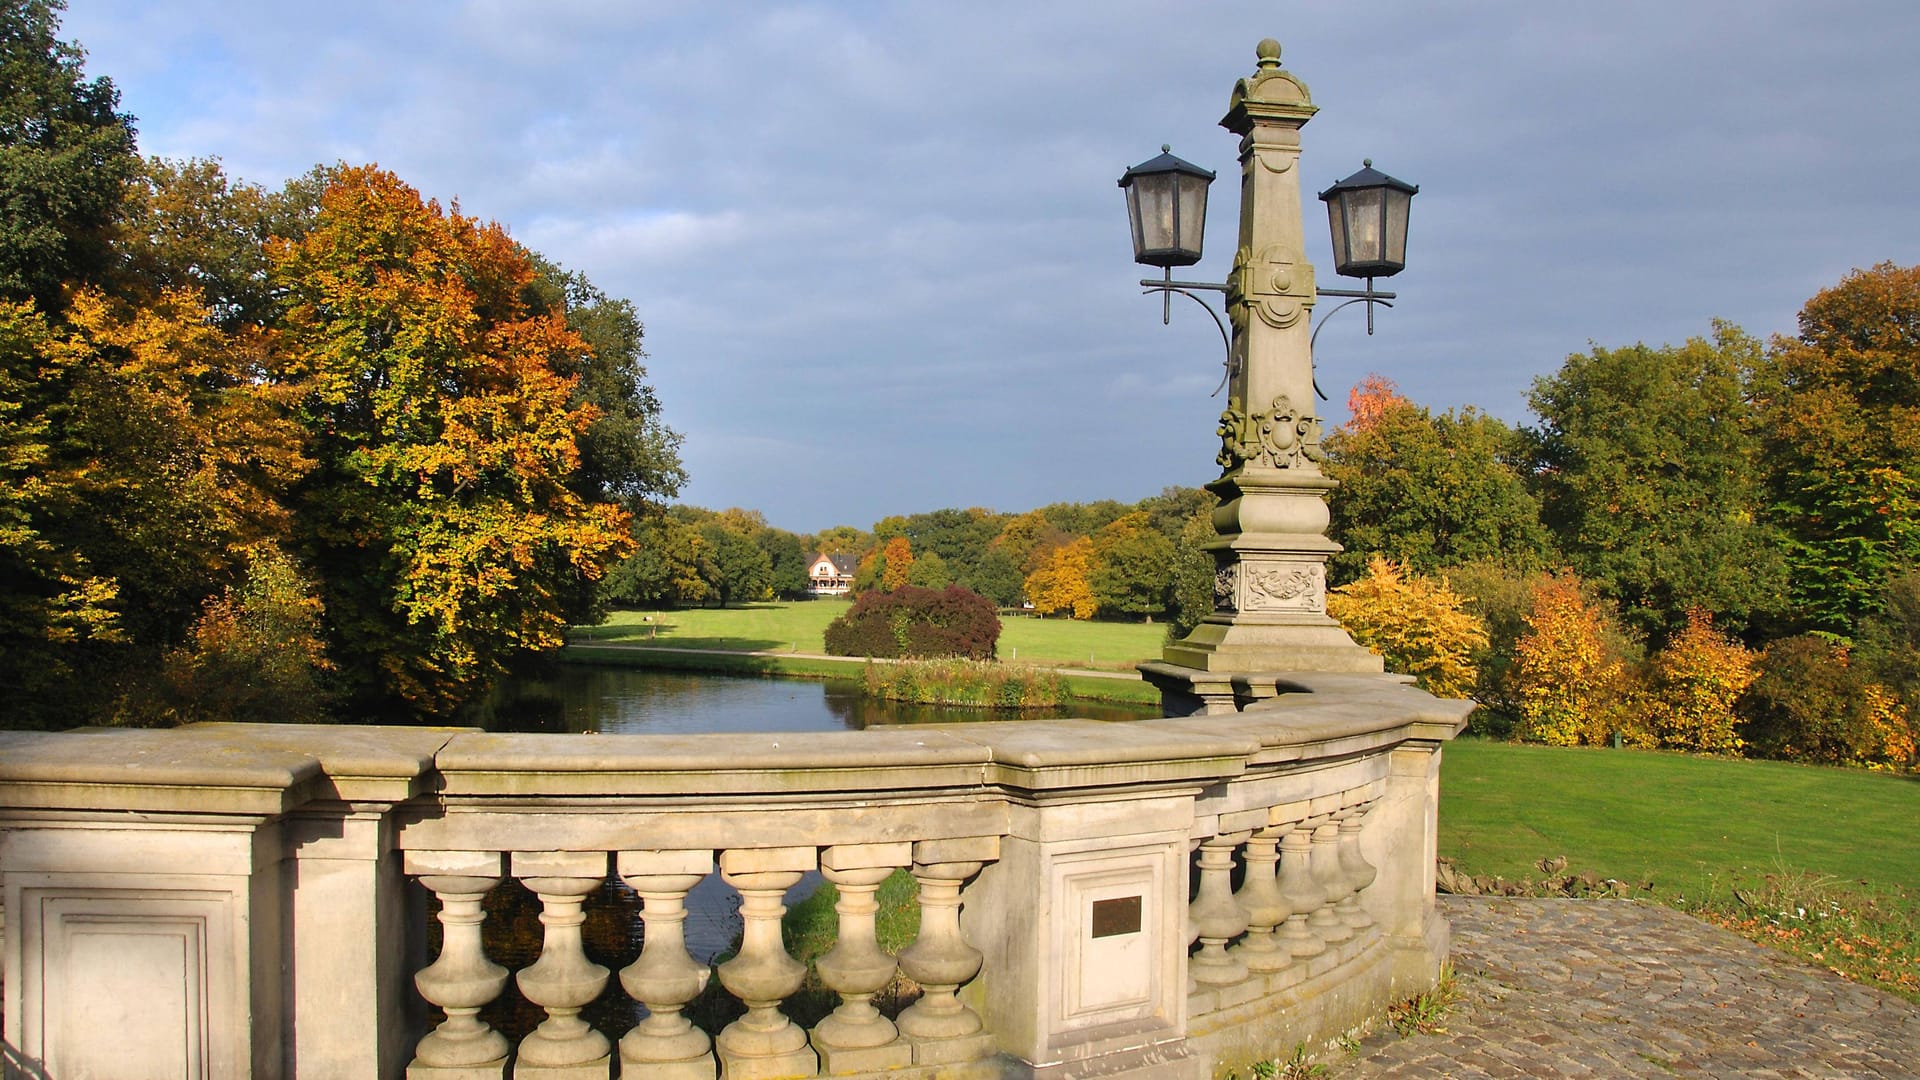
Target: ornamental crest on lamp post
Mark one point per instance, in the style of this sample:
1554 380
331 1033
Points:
1283 437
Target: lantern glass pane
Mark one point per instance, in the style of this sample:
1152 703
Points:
1192 217
1133 222
1337 227
1155 215
1398 204
1366 231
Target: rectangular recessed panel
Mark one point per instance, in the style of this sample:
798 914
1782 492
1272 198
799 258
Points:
131 994
1120 915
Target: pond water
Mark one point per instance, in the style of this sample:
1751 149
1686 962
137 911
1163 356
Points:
640 701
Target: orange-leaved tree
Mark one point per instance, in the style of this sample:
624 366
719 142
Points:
439 517
1419 624
1692 686
1572 681
1060 583
896 563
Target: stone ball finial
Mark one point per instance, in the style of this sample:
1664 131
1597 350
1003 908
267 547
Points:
1268 52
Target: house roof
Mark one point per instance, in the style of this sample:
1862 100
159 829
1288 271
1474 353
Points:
844 565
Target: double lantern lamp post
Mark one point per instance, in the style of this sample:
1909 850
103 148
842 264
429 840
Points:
1270 549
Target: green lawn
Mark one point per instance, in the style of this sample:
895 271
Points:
1636 814
798 626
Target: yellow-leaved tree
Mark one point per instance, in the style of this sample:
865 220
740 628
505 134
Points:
1572 681
1060 583
1692 685
1419 624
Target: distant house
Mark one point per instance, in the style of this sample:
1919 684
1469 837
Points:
831 575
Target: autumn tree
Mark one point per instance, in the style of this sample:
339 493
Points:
66 154
439 518
1418 624
896 563
1061 581
1430 491
1693 685
1027 538
1647 465
1841 405
1370 399
1572 679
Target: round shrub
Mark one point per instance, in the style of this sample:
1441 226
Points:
917 623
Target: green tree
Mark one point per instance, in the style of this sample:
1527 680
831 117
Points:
440 518
787 559
1430 491
735 568
66 154
995 576
1647 466
1190 595
1841 405
1132 567
929 571
668 567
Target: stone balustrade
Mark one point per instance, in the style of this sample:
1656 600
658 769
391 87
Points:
1155 898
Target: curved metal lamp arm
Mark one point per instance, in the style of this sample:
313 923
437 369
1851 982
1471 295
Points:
1226 340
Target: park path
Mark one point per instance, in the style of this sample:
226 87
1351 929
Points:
1605 988
1092 673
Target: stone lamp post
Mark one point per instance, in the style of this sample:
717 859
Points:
1270 554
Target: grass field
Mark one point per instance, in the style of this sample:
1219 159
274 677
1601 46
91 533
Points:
1820 861
798 626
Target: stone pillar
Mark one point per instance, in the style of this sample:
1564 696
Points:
1326 872
764 1044
666 1045
856 1038
461 980
563 981
1300 891
1358 872
1270 582
1217 915
1266 908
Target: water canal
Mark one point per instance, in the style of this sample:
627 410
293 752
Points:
589 698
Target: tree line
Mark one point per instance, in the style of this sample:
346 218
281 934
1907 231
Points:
1707 546
330 449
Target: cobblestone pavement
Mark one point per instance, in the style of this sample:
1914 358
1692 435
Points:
1601 988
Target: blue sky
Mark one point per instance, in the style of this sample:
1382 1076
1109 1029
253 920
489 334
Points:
880 253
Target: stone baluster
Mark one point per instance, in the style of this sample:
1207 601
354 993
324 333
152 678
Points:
856 1038
461 980
666 1045
563 981
942 1030
1218 916
1298 887
764 1044
1266 908
1326 871
1359 873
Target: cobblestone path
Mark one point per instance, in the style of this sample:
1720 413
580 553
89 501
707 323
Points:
1597 988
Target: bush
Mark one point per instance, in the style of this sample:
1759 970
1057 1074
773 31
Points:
1692 686
1416 623
969 683
1812 703
1501 596
916 623
1571 676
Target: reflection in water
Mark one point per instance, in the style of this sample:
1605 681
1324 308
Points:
637 701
